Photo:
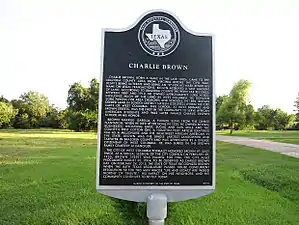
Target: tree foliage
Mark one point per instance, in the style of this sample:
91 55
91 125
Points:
93 95
82 120
81 98
283 120
296 105
83 106
7 113
233 108
55 118
233 111
36 104
77 97
248 121
219 101
32 108
268 118
2 99
264 118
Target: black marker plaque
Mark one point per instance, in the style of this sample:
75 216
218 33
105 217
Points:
156 119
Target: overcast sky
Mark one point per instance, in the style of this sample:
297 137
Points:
46 45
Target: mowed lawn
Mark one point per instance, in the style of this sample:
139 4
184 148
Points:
48 177
278 136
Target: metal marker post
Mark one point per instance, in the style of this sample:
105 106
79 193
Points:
156 208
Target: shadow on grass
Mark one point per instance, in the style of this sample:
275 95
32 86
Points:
132 213
273 179
36 131
13 146
104 220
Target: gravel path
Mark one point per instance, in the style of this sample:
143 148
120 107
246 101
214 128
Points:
283 148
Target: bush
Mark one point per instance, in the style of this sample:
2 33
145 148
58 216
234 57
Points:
296 126
82 121
22 121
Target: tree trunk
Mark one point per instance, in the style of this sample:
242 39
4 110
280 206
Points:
231 128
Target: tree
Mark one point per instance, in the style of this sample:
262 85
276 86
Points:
2 99
219 101
7 113
36 104
83 106
220 122
93 95
81 121
32 108
78 97
232 109
55 118
81 98
296 105
267 118
249 117
16 103
62 119
264 118
22 121
283 120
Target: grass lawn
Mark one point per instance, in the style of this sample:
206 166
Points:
278 136
48 177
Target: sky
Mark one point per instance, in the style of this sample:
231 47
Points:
47 45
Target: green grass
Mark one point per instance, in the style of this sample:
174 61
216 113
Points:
48 177
277 136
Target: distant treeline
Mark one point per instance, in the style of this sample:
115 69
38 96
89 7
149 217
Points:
234 111
32 110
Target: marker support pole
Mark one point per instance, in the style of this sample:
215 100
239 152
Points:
156 208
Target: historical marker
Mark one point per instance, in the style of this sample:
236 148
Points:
156 111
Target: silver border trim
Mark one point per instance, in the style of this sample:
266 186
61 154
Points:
185 192
152 11
214 111
183 187
100 110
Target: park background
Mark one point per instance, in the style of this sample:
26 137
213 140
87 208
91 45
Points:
50 63
234 111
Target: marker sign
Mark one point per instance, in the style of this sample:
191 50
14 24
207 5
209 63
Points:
156 127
